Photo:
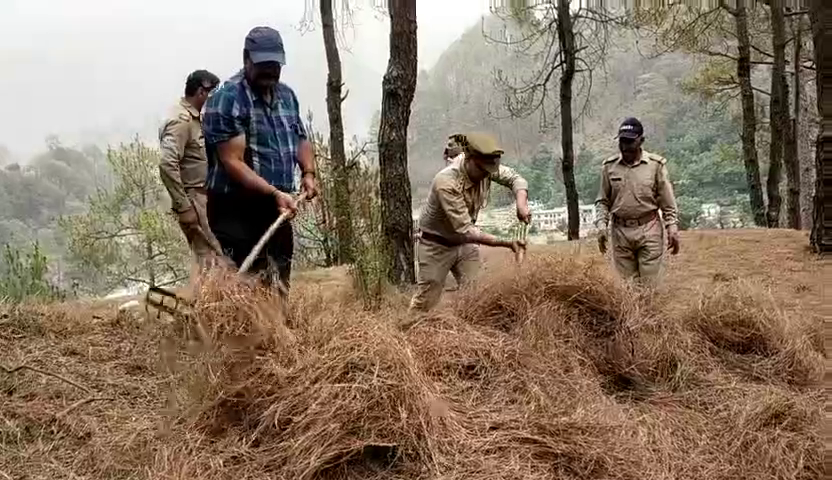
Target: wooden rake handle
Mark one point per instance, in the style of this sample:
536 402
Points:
266 236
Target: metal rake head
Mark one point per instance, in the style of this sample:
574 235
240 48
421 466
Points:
519 233
167 301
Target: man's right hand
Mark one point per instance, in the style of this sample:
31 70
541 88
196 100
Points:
517 245
285 203
188 217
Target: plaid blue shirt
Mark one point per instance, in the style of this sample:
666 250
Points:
273 133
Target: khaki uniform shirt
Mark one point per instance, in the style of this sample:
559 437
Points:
455 201
183 164
633 191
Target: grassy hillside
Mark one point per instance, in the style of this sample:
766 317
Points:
559 372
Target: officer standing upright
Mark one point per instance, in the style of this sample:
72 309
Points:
634 188
183 165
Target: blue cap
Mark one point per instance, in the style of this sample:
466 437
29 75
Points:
264 44
630 128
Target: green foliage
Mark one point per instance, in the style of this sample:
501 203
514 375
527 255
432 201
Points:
713 80
690 211
315 227
372 261
587 175
540 173
127 236
544 175
23 275
704 161
55 182
30 198
316 232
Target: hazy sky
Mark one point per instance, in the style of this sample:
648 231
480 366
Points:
102 70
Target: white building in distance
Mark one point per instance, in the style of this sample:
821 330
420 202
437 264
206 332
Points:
556 218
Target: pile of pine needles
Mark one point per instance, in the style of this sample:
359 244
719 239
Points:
558 372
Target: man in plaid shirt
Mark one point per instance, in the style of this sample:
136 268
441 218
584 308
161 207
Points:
254 138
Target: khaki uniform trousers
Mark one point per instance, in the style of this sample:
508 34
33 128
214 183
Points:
203 244
435 261
638 250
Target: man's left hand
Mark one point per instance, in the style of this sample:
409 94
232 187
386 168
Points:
309 185
523 213
673 239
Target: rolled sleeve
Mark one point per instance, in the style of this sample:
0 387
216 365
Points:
508 177
453 205
666 197
222 120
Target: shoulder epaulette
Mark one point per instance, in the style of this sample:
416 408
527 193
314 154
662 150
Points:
656 158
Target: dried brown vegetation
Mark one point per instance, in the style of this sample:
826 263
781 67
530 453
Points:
555 371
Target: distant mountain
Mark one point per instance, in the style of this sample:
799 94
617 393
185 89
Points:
460 93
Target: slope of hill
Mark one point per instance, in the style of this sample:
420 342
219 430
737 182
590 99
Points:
558 372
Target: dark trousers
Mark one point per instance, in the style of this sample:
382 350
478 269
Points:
238 220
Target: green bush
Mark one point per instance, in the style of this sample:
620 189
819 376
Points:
23 275
371 258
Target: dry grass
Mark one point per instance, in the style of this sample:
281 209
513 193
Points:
555 371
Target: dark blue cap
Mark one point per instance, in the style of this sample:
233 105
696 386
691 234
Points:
630 128
264 44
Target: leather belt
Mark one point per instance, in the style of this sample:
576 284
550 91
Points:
437 239
635 222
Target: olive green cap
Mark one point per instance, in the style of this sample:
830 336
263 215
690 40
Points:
483 143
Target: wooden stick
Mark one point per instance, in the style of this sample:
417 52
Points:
266 236
43 372
77 404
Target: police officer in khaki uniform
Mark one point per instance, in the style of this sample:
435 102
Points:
634 188
452 152
449 240
183 166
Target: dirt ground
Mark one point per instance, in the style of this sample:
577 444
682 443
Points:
75 371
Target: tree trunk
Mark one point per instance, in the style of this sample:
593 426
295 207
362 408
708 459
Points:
398 88
566 38
791 155
148 246
749 117
343 220
777 114
821 237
